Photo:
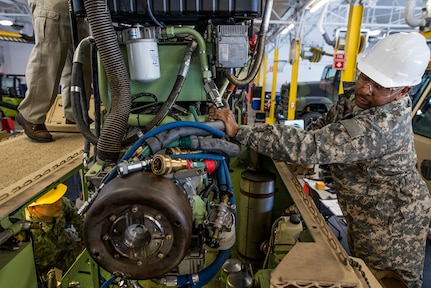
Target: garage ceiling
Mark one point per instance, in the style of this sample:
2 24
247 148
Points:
385 15
388 16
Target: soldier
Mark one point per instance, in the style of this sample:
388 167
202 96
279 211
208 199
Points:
57 243
367 140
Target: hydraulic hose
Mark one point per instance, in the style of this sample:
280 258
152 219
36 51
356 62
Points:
115 124
260 49
173 96
77 95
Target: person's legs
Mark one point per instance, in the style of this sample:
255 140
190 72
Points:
46 61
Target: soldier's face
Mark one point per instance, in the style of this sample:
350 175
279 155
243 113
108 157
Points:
47 212
370 94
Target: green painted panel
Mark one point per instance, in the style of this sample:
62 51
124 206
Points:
171 57
17 268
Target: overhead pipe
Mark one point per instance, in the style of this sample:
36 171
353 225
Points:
322 30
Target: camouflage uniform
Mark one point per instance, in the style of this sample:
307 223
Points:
373 163
56 245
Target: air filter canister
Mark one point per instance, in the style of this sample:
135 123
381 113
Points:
142 54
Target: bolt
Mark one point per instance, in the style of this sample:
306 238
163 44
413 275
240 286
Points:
139 263
112 218
158 217
160 255
134 209
168 237
105 237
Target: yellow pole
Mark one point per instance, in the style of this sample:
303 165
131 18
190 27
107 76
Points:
271 119
353 37
294 82
262 95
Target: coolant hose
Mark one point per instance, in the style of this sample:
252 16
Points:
165 138
108 282
111 175
206 274
169 126
115 124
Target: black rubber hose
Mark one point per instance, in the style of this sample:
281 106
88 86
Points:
75 95
176 89
115 124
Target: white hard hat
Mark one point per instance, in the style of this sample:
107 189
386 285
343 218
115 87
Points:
397 60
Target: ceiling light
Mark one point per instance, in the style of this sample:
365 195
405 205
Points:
287 29
6 22
316 5
374 33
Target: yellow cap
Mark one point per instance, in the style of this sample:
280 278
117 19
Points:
51 196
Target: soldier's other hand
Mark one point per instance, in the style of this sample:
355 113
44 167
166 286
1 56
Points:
225 115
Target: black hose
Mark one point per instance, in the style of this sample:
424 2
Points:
75 95
176 89
115 124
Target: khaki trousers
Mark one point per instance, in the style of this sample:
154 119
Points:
53 47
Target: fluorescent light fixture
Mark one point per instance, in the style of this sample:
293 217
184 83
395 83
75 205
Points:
313 6
6 22
374 33
287 29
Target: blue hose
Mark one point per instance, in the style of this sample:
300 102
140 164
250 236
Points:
108 282
156 131
169 126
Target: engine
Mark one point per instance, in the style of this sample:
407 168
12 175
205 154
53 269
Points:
162 191
157 211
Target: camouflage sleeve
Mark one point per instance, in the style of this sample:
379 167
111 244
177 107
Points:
340 142
72 216
338 110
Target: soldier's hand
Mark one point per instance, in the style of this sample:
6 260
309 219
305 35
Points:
225 115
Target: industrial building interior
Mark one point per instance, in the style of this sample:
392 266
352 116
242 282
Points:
168 200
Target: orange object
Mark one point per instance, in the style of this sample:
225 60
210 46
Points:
320 185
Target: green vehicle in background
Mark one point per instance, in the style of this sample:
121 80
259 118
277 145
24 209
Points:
13 91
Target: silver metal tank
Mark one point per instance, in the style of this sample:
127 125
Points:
256 202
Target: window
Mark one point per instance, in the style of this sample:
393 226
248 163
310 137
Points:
422 119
